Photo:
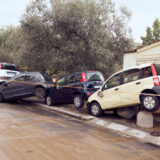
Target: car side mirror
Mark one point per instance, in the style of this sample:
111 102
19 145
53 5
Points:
100 93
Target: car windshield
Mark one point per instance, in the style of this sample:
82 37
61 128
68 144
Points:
9 67
94 76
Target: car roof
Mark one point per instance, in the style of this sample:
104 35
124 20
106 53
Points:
32 73
135 67
24 73
78 73
7 63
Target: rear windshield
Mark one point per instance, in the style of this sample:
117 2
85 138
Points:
157 66
9 67
94 76
47 78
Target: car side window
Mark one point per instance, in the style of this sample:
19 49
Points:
61 81
29 77
70 79
113 82
131 75
78 77
21 78
146 72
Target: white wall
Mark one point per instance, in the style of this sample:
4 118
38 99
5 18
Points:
146 54
129 60
149 54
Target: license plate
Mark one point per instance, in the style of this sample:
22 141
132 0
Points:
97 86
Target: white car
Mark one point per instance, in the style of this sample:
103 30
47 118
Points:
7 71
139 85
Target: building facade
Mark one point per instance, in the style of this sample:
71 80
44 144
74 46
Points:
146 54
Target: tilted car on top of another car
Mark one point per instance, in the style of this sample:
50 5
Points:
75 88
25 85
139 85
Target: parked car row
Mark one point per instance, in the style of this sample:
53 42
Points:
137 86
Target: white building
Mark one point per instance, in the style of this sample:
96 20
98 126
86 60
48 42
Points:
146 54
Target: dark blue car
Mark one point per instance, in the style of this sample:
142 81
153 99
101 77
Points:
75 88
25 85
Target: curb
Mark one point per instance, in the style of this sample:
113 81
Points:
68 113
128 131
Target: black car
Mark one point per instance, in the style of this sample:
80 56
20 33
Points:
25 85
75 88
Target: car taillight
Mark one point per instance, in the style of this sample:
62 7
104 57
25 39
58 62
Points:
83 77
155 76
0 66
1 77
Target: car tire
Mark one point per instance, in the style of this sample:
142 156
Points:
78 101
150 103
49 101
40 92
1 98
95 109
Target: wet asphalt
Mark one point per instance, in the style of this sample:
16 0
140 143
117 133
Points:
31 132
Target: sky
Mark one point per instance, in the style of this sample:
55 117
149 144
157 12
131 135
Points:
144 12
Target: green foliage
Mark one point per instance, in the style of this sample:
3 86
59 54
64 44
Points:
156 29
152 34
7 43
65 36
149 37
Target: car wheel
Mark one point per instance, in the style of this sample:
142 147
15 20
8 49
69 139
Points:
49 101
1 98
40 92
95 109
150 103
78 101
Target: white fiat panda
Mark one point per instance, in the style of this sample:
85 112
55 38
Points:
139 85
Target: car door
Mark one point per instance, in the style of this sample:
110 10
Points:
14 88
58 91
30 83
68 89
131 87
111 92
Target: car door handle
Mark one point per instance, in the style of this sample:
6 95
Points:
138 83
116 89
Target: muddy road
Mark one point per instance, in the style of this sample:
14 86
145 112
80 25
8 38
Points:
29 132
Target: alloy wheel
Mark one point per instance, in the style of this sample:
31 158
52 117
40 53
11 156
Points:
94 109
149 102
77 101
